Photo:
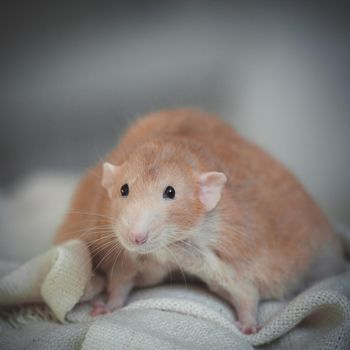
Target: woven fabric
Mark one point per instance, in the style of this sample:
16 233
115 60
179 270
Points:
163 317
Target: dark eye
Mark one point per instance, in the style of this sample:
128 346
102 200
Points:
124 190
169 192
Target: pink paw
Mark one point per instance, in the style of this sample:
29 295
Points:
99 308
246 329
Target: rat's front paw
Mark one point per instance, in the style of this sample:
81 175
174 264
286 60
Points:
248 328
99 308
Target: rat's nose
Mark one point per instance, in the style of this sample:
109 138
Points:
138 237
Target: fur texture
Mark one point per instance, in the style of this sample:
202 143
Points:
260 239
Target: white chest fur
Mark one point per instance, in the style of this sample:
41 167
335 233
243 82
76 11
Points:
193 256
200 262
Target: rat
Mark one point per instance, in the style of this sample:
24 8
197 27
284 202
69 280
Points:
183 191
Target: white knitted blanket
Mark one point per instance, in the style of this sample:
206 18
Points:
164 317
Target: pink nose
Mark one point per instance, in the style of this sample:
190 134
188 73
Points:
139 237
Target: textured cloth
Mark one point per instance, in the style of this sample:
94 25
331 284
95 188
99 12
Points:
58 278
164 317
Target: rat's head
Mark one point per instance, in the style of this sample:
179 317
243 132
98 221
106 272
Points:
157 197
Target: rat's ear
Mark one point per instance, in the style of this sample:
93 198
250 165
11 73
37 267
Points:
108 176
211 185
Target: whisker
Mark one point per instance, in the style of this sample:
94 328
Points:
78 211
110 251
123 257
100 248
116 259
94 241
95 231
86 230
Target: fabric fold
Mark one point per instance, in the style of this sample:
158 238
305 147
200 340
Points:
57 278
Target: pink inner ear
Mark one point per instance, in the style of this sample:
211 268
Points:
211 185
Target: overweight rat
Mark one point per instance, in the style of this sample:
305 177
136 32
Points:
183 190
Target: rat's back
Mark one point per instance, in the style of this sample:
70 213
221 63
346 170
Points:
190 125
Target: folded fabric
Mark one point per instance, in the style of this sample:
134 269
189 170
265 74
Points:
163 317
58 278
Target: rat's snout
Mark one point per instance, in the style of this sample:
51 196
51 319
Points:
137 237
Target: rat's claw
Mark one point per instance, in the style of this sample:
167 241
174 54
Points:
246 329
250 329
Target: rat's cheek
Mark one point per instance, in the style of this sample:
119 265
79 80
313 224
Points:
186 215
112 214
120 229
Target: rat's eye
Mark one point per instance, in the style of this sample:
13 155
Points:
169 192
124 190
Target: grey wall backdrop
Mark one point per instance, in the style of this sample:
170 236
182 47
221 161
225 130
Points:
74 75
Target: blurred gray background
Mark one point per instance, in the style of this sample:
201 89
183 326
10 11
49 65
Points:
74 74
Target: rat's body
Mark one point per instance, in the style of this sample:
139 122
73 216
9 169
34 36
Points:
257 235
